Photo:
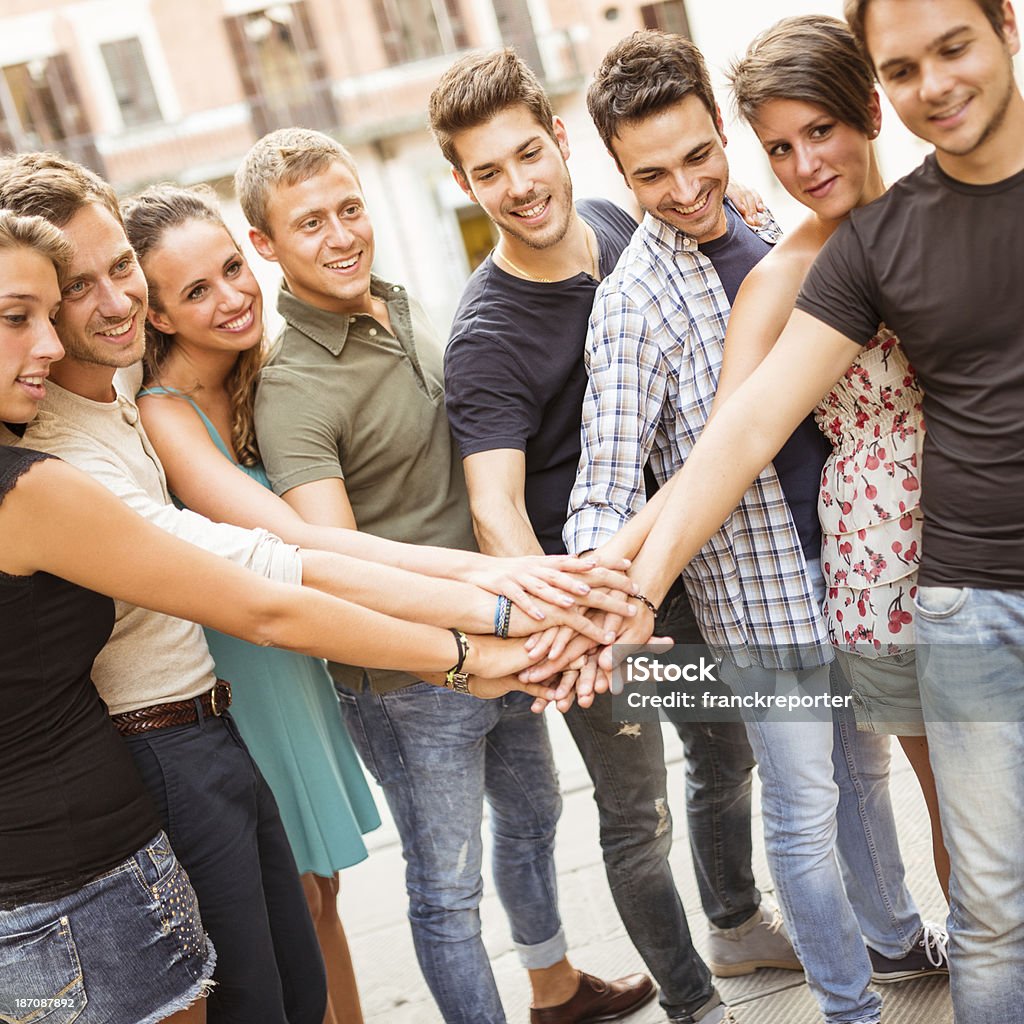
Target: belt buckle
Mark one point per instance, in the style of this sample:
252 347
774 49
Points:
217 712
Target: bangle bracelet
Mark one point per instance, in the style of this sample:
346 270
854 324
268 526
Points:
502 616
644 600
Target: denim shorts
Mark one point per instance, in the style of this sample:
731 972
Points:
885 692
126 948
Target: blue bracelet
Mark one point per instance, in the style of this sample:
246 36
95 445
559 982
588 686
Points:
502 615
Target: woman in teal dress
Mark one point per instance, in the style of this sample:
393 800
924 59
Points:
204 352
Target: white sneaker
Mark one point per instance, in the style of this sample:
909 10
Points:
761 941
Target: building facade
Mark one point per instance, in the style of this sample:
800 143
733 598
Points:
150 90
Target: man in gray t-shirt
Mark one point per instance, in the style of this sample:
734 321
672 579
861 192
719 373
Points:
939 259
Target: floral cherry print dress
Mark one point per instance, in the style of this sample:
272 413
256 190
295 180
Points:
870 500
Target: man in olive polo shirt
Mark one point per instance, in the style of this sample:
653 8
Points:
352 428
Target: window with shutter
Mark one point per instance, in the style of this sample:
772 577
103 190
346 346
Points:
129 77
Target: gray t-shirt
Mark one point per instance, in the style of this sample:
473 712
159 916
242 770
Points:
942 264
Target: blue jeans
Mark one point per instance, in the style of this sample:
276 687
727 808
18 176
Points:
831 844
437 755
224 825
126 948
970 667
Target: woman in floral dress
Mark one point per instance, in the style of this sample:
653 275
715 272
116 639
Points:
810 98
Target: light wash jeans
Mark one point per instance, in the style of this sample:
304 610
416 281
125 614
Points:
437 755
830 838
971 666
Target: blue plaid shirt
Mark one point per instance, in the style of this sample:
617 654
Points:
654 353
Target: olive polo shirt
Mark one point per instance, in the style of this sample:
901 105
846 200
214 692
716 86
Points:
342 397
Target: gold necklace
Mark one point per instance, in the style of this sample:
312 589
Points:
547 280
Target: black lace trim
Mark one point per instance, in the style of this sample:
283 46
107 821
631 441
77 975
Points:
23 460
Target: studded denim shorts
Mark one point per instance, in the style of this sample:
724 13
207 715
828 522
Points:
127 948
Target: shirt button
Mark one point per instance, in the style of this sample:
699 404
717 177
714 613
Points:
351 319
372 332
396 288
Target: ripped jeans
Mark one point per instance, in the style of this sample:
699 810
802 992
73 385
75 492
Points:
626 761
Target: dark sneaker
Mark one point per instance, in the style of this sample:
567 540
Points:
926 956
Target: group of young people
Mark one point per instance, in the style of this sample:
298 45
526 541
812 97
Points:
619 407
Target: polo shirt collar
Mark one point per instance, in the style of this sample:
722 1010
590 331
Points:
330 330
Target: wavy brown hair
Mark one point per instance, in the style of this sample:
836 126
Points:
50 186
147 216
476 89
642 75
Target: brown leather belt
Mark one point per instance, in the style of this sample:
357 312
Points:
180 712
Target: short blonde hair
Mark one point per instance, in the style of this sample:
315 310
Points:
284 157
38 236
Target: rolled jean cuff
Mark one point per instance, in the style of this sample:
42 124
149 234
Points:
543 954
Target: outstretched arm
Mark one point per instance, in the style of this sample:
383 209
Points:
44 519
759 315
334 556
746 433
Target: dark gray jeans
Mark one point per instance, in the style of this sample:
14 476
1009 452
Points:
626 762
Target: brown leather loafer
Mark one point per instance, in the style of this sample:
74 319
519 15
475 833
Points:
596 1001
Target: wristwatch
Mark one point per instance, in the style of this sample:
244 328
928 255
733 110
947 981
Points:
455 679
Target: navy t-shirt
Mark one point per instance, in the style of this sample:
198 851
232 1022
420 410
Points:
514 370
800 460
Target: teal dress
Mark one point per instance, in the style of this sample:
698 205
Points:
287 711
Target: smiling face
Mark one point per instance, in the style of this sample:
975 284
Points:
821 161
206 292
102 317
321 235
674 161
29 299
516 171
948 75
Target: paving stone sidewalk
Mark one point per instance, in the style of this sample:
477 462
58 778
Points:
373 908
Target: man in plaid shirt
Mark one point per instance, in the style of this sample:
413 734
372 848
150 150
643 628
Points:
654 352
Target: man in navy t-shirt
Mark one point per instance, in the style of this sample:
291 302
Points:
515 379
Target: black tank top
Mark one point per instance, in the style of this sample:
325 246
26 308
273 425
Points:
71 802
